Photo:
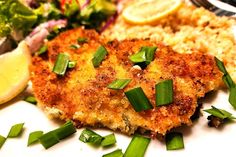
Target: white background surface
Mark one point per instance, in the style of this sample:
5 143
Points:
200 140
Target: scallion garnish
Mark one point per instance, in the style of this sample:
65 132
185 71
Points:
145 54
61 64
2 141
82 40
119 84
99 56
116 153
15 130
220 113
89 136
72 64
174 141
75 46
65 130
34 137
138 99
164 92
108 140
49 139
137 146
42 50
228 82
30 99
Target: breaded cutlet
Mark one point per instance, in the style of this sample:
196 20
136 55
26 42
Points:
82 94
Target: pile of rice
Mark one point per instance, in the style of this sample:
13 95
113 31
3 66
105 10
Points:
187 30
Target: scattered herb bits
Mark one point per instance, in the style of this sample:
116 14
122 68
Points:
34 137
2 141
15 130
72 64
228 82
61 64
31 99
89 136
75 46
116 153
145 55
138 99
99 56
218 116
119 84
108 140
42 50
49 139
137 146
164 92
174 141
65 130
82 40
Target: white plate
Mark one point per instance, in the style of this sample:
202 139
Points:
199 139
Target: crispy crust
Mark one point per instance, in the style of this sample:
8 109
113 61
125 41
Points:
82 94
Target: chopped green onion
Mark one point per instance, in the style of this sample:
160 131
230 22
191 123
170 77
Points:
31 99
145 54
174 141
138 99
99 56
34 137
89 136
108 140
232 97
220 65
82 40
61 64
65 130
228 82
75 46
137 146
2 141
116 153
15 130
119 84
164 92
49 139
220 113
71 64
42 50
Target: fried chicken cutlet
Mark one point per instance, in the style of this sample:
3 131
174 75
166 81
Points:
82 94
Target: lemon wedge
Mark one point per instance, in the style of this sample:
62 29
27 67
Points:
149 11
14 72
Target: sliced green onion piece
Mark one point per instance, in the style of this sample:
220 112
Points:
49 139
228 81
99 56
137 146
31 99
119 84
65 130
220 65
61 64
174 141
138 99
145 54
72 64
34 137
2 141
108 140
220 113
164 92
232 97
116 153
89 136
42 50
75 46
15 130
82 40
